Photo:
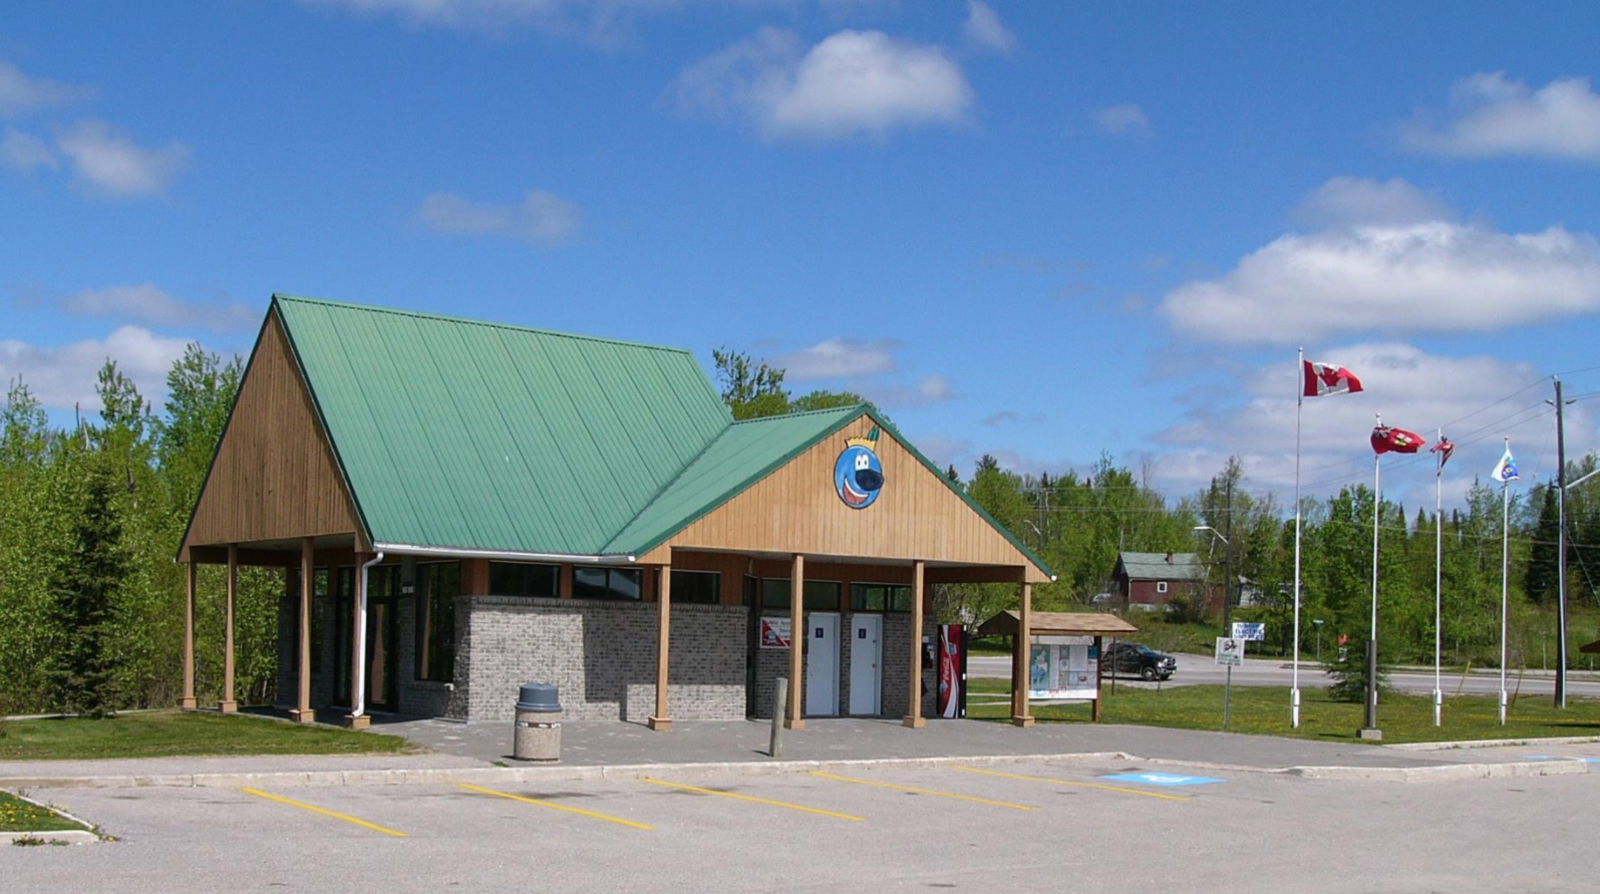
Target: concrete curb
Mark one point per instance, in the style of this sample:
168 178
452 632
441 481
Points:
1493 743
58 836
62 837
504 775
545 773
1445 772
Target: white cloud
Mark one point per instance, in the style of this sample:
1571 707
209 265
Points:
838 358
927 390
1123 119
984 29
852 83
599 21
1423 277
64 375
108 163
150 305
1490 115
20 94
1412 389
23 152
1356 200
543 218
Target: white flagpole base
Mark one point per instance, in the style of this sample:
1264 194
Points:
1294 708
1502 707
1438 707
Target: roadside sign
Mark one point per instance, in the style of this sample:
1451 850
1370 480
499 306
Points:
1230 651
1254 631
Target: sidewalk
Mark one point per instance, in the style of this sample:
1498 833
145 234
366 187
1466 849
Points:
480 753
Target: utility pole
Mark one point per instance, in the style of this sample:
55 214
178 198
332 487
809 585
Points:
1561 554
1227 565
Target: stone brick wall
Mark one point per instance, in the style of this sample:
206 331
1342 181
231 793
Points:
601 655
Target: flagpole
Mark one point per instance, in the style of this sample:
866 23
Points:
1505 559
1299 401
1372 641
1438 565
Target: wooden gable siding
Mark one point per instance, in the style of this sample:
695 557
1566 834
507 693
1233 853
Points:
274 476
796 510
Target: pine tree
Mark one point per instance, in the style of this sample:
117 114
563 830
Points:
84 589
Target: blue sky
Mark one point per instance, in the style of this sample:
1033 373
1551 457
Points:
1036 230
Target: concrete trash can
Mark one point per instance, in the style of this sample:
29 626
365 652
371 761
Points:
538 728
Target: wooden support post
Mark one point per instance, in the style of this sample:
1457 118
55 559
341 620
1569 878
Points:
1020 716
228 705
914 718
660 720
797 642
1099 677
358 642
187 702
303 712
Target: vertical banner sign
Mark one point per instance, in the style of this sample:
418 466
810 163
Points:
952 661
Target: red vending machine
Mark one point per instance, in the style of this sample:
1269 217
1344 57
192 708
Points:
952 671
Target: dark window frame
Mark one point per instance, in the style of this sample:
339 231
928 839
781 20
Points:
608 591
678 587
891 603
526 582
808 596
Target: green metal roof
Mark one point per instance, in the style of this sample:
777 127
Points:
463 435
743 454
457 433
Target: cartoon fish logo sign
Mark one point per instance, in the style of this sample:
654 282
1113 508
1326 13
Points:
857 474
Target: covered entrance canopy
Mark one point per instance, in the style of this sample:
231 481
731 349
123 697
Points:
519 497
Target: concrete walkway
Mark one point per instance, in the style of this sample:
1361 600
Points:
480 752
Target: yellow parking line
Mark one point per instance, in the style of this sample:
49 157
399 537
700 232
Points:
922 791
325 812
1093 785
554 806
753 799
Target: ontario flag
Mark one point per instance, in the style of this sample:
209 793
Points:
1327 378
1395 440
1444 448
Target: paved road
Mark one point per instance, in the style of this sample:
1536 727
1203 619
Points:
1201 670
1039 824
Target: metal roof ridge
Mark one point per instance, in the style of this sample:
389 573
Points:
491 324
854 408
744 485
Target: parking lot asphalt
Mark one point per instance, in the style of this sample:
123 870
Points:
1025 824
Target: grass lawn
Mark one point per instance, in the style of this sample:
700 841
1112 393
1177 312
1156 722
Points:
17 815
1265 711
169 733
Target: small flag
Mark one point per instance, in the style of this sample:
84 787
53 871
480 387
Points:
1444 448
1328 378
1506 469
1395 440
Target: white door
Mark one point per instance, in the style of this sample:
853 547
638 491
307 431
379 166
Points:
866 664
822 665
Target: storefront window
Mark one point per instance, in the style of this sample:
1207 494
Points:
606 583
523 579
438 585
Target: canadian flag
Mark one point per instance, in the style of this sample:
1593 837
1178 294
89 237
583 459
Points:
1328 378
